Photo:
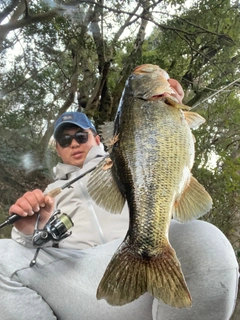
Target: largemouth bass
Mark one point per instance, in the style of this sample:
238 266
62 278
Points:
150 166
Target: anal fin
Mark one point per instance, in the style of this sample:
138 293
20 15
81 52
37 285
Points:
193 119
195 201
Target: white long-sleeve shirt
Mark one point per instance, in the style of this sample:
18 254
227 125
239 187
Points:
92 224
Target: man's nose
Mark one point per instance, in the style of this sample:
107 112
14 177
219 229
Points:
74 143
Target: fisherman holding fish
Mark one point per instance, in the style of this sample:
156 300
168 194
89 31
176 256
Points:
140 263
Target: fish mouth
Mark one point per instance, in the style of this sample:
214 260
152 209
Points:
163 96
157 96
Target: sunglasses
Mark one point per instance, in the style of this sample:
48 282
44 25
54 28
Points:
66 140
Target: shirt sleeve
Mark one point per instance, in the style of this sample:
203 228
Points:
25 240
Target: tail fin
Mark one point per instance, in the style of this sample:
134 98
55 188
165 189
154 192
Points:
129 275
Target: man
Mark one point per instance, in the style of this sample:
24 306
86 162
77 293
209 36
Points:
62 285
78 145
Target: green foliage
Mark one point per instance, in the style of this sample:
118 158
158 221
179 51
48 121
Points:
81 58
217 162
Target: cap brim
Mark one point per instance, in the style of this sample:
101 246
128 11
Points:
63 124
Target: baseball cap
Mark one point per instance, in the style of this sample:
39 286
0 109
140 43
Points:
77 118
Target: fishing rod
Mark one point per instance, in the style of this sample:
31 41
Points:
15 217
56 228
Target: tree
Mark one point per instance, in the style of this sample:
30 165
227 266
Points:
206 65
77 55
73 56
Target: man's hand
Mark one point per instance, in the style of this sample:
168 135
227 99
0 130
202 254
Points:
27 206
175 85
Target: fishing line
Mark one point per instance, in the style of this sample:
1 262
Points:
194 106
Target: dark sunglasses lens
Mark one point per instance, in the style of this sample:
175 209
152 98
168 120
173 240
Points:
81 137
65 141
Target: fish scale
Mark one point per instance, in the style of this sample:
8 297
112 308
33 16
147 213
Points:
169 168
151 159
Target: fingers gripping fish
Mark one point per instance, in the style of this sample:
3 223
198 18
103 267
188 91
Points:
149 167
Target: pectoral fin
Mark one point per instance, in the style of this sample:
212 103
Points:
193 119
104 189
194 202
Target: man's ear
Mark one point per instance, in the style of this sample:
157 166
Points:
97 139
56 148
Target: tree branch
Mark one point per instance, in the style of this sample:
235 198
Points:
26 21
6 11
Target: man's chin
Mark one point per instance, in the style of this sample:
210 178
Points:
76 162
